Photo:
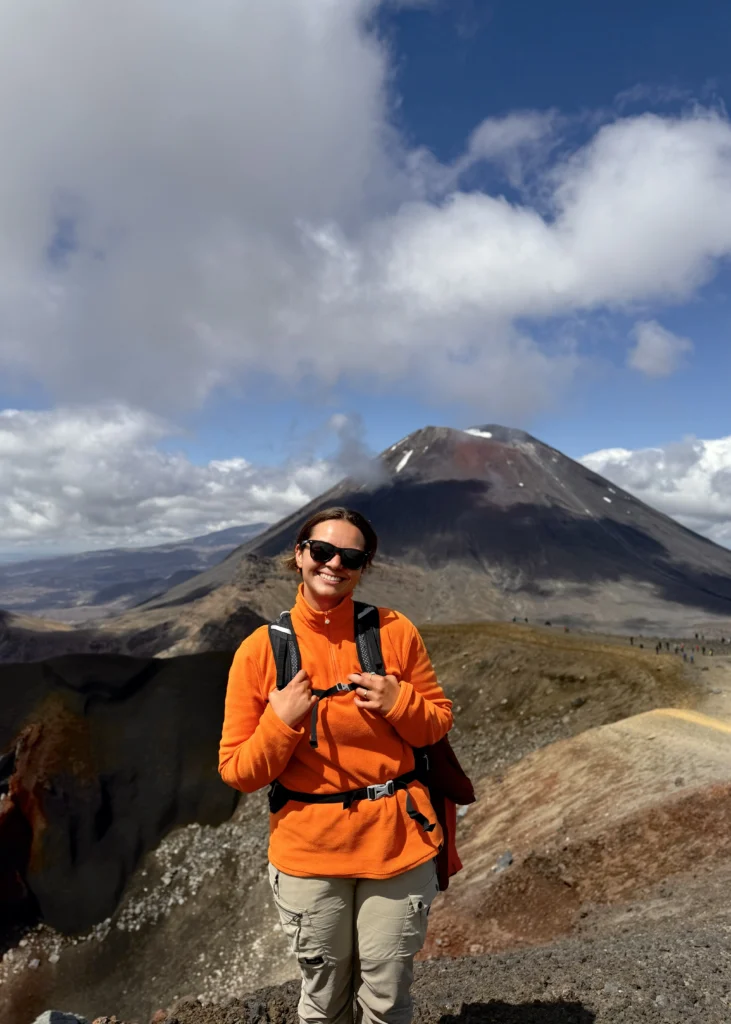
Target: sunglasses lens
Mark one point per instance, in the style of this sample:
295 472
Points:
321 551
352 558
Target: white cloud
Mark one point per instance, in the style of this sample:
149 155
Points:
497 136
77 479
657 352
512 142
654 95
239 202
689 480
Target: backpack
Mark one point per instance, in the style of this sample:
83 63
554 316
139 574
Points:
436 765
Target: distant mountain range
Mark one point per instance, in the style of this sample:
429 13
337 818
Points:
101 582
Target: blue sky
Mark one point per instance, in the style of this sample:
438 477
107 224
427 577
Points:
460 62
397 213
455 64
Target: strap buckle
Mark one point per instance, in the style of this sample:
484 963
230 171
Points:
380 789
340 687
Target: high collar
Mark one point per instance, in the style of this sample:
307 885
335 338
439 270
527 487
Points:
339 616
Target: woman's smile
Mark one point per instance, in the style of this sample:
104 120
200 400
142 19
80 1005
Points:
331 577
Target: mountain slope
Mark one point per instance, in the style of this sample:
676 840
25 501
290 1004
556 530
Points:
490 522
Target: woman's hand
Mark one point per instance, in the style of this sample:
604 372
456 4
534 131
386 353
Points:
293 702
374 692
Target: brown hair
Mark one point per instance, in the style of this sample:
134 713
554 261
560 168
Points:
337 512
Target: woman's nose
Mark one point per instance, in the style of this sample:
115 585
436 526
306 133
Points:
335 562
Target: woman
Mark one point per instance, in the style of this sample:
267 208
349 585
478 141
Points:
352 886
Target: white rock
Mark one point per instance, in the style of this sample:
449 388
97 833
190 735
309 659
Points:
59 1017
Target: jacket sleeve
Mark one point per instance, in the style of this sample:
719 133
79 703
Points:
421 714
256 744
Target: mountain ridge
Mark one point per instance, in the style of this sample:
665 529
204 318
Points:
481 524
499 505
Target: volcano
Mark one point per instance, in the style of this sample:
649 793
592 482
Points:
490 522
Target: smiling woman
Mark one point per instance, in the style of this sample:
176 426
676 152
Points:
326 578
353 833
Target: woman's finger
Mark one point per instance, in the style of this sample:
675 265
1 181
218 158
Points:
372 703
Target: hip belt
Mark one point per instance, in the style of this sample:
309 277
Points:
279 795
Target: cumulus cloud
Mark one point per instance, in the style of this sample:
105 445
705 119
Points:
193 195
657 352
83 478
689 480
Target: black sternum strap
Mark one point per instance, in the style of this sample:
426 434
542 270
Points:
333 691
313 724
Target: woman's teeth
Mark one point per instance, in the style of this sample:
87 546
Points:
331 579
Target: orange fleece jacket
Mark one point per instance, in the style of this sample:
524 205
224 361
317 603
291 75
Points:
372 839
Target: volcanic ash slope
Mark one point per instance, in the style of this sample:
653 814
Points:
479 524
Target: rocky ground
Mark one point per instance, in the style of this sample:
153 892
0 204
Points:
663 976
659 954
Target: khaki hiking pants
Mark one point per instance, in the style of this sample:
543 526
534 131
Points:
355 941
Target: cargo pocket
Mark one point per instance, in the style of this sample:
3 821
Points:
415 923
291 922
297 926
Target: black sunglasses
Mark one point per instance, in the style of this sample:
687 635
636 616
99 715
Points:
321 551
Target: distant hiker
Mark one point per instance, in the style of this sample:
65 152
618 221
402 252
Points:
685 656
632 640
692 659
337 708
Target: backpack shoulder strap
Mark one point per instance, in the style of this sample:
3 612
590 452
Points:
285 649
368 637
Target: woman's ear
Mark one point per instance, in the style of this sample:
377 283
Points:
298 557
